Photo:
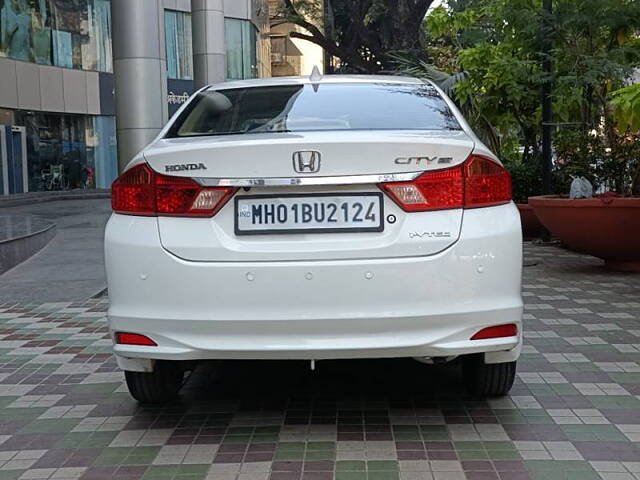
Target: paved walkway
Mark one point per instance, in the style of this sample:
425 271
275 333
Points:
574 413
71 266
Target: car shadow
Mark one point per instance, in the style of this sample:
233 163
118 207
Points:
263 383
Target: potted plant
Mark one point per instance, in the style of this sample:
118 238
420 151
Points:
606 226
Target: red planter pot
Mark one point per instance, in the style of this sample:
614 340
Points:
607 228
531 226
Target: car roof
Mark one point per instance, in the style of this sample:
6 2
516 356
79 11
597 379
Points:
276 81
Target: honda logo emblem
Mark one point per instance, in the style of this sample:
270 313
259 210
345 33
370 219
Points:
306 162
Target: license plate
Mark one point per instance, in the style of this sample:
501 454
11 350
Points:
312 213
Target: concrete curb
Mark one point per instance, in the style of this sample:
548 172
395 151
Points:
16 250
18 200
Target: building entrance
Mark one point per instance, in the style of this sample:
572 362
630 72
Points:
14 176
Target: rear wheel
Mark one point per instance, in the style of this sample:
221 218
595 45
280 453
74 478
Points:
159 386
487 379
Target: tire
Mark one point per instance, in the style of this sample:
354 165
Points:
487 379
159 386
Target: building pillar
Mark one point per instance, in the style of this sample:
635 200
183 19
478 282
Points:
209 54
140 71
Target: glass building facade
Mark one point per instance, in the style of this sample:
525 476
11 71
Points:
177 33
69 151
64 150
241 38
65 33
78 150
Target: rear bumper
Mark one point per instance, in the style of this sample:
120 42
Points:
398 307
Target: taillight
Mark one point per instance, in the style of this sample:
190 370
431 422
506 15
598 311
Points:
142 191
430 191
478 182
486 183
133 192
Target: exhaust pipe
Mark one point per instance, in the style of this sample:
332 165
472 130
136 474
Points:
435 360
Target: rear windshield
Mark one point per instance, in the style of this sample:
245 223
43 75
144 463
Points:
304 108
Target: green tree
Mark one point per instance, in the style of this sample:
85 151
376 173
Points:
596 50
626 103
488 52
361 33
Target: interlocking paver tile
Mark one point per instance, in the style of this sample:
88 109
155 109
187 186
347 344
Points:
573 414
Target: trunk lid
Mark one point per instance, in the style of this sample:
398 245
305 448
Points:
342 153
350 155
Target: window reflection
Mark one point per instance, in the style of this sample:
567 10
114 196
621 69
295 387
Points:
178 44
242 52
16 25
304 108
69 151
65 33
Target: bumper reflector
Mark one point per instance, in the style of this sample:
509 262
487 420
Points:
123 338
497 331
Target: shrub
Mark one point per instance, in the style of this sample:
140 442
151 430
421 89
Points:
610 164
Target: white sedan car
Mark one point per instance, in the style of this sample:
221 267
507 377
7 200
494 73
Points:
311 219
